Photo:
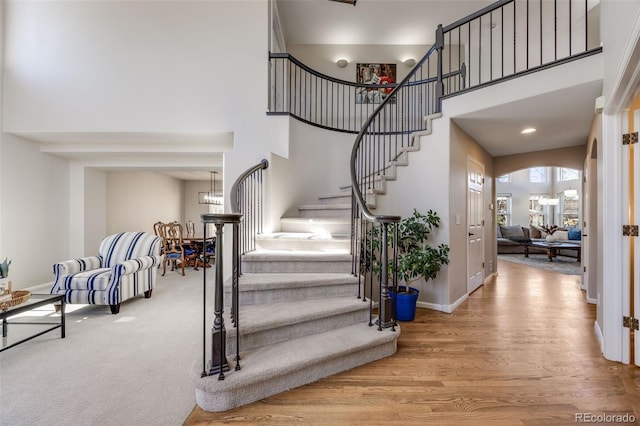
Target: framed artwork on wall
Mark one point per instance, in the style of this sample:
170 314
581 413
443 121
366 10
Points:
374 74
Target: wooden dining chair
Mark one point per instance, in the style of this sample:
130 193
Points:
176 250
190 227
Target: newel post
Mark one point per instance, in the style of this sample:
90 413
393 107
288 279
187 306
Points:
218 362
439 84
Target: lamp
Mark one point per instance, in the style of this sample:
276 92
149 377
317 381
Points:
409 62
570 193
342 62
210 197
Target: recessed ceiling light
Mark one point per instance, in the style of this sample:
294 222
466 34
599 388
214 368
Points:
528 130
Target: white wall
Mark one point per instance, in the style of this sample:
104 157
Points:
618 18
137 200
322 58
463 147
424 185
95 210
116 68
193 210
34 210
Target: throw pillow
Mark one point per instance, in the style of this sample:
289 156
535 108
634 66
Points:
561 235
534 232
512 232
575 234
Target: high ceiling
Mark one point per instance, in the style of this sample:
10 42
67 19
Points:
370 21
563 117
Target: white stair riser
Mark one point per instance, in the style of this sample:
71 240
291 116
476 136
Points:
322 213
294 330
345 199
306 245
335 227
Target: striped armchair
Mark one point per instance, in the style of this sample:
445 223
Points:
126 265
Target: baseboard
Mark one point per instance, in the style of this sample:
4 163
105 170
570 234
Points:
443 308
432 306
599 336
450 308
488 277
41 288
592 300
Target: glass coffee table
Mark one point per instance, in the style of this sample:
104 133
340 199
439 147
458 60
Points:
28 329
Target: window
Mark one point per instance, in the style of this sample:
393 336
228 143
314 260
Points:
538 175
564 174
536 210
569 212
504 178
503 209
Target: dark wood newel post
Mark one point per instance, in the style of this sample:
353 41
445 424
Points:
218 363
439 84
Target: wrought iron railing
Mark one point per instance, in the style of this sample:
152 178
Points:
512 37
323 101
246 217
247 198
463 50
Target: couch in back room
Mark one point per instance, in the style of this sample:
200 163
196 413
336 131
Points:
511 239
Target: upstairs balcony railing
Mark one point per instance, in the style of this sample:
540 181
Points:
505 40
513 37
528 41
345 106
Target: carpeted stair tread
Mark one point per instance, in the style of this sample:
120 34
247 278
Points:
297 255
273 369
280 314
252 282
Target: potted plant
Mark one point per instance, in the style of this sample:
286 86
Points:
416 259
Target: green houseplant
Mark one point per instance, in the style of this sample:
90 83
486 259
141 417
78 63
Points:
416 258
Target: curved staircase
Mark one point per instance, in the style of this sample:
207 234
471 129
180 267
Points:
300 317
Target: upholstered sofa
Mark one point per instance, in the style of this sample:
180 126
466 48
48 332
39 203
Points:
126 266
511 239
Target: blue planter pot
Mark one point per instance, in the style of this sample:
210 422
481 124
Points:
405 303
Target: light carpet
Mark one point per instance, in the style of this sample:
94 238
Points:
561 264
126 369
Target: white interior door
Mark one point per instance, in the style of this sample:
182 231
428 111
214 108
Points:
475 224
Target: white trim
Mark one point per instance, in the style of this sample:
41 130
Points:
626 79
454 306
40 288
598 333
592 301
428 305
611 225
443 308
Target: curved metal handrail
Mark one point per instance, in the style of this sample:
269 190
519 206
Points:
365 128
235 205
333 104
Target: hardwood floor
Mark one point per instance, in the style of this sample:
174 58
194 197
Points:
520 351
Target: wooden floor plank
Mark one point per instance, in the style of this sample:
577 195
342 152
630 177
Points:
520 351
